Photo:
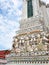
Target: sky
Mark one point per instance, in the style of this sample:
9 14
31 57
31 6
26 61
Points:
10 14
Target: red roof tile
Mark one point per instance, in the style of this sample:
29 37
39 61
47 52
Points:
3 53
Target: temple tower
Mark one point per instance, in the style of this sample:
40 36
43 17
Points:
30 16
29 41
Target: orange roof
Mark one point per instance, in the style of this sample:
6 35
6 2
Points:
3 53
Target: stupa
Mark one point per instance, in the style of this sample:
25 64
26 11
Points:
30 45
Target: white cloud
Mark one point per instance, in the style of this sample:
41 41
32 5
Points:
8 26
10 9
7 31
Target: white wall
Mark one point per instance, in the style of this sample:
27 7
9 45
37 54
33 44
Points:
35 7
24 9
47 10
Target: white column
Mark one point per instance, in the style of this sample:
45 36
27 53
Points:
24 9
47 10
43 9
35 4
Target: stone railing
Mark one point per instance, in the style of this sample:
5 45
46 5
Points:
30 29
26 23
31 19
29 54
35 59
28 59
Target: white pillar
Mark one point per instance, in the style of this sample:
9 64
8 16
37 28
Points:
47 10
35 7
24 9
44 13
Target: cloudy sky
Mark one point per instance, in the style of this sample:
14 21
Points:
10 14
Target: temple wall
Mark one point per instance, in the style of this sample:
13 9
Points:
44 13
47 10
35 7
